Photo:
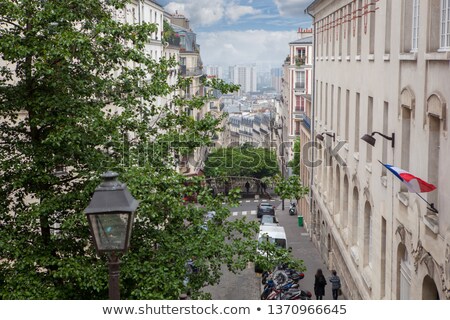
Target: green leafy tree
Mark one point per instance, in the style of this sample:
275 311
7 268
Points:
270 256
295 162
290 188
245 161
71 107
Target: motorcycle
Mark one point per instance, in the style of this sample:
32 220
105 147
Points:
287 293
282 284
293 209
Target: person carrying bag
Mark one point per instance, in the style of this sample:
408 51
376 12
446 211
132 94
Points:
335 285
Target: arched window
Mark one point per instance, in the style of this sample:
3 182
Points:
337 194
368 225
429 289
407 116
345 195
355 216
437 124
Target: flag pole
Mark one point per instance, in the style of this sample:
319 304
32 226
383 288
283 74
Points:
430 205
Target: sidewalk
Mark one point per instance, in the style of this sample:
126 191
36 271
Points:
303 248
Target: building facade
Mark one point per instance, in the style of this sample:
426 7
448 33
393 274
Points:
382 66
297 85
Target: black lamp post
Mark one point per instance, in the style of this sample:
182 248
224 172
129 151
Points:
321 137
371 140
111 215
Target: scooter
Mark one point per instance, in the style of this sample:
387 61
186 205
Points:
293 209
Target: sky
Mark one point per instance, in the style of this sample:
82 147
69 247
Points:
232 32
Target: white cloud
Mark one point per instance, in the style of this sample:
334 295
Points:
244 47
292 8
200 12
234 12
208 12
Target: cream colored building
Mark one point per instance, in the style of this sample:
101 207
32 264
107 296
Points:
382 66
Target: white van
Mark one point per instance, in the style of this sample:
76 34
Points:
274 234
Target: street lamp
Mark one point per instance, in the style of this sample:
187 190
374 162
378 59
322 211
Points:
371 140
321 137
111 215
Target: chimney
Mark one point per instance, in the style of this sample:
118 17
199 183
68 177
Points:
304 32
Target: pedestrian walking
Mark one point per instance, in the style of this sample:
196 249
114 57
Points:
263 186
319 284
335 284
247 186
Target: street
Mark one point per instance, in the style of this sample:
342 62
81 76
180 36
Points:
247 284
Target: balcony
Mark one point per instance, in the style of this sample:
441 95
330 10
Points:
190 72
300 61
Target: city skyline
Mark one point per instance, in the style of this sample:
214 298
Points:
224 28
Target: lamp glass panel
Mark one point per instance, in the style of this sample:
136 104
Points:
110 230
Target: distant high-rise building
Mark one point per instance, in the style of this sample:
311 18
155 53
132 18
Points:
244 76
215 71
276 74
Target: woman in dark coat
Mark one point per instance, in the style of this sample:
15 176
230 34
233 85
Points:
319 284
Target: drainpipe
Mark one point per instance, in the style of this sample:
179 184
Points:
313 102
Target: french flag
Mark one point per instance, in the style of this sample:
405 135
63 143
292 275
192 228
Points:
413 183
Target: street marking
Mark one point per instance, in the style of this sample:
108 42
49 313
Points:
240 201
247 200
255 200
272 200
244 213
235 213
304 234
253 212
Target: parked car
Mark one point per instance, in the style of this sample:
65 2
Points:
265 208
268 220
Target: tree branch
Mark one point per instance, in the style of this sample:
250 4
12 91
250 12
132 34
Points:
12 23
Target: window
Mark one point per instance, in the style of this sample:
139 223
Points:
445 24
385 142
415 26
349 28
437 125
333 34
368 250
347 113
356 136
407 30
387 33
338 113
359 23
332 107
325 119
355 215
300 80
372 31
369 128
341 25
344 217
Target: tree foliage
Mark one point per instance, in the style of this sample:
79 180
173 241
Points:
72 107
295 162
290 188
242 161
